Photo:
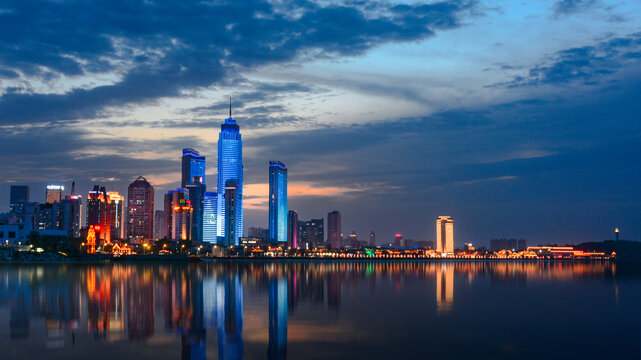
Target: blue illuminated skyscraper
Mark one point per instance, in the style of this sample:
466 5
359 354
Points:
193 168
277 203
230 167
210 203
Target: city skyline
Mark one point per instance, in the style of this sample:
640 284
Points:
517 114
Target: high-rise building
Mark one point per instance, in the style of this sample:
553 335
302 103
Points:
231 202
116 206
54 193
230 167
169 215
159 224
140 210
71 215
181 215
46 217
372 238
99 213
18 197
334 236
277 203
292 229
197 197
210 202
311 233
193 168
445 235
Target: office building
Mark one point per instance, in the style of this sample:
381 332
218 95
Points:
197 197
159 224
277 203
54 193
292 229
334 235
18 197
45 217
230 167
71 215
140 210
193 168
169 211
445 235
181 215
99 213
311 234
210 203
116 206
258 232
231 202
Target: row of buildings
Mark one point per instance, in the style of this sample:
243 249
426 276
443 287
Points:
190 213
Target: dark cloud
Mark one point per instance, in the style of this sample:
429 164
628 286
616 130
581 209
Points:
566 7
587 64
161 48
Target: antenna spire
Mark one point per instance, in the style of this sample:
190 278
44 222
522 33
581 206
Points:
230 107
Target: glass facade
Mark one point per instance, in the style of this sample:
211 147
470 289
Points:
210 202
277 202
230 167
193 168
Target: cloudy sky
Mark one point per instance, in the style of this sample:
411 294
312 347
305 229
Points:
516 118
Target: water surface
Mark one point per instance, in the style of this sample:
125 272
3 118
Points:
321 310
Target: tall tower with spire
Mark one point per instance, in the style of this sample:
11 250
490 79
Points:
230 167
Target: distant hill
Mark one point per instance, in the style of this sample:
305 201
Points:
625 249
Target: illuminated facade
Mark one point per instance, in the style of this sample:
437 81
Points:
231 202
372 238
210 202
197 197
230 167
181 215
169 214
140 210
116 206
292 229
193 168
334 236
71 215
277 202
445 235
54 193
99 213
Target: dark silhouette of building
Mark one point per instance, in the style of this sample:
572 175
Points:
311 233
334 234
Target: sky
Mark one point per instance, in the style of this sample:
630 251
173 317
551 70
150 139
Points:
517 118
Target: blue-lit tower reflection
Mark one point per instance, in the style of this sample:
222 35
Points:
277 203
230 167
229 317
277 319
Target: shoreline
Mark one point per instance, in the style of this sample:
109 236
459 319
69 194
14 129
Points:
164 259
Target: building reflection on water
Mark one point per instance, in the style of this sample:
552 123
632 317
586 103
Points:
137 302
444 288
